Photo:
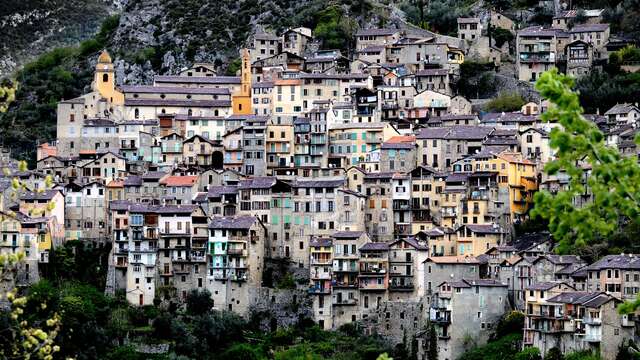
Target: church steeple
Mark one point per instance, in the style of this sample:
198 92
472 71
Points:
242 99
104 80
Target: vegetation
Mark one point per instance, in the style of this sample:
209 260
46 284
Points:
60 74
581 151
505 101
334 29
477 80
20 336
436 15
501 36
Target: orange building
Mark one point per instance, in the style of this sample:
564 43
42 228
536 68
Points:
242 100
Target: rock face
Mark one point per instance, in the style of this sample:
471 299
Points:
30 27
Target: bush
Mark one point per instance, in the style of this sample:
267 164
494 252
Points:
554 354
502 349
241 352
511 323
530 353
199 302
582 355
506 102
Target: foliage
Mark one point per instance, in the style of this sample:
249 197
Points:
601 90
504 348
627 351
7 95
541 16
530 353
286 282
432 336
21 337
199 302
334 29
582 355
505 101
553 354
610 177
62 73
477 80
241 352
510 323
234 66
443 16
77 261
501 36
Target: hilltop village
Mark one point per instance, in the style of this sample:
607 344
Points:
361 189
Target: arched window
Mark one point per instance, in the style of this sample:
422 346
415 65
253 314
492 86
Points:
136 113
190 112
215 113
105 77
240 107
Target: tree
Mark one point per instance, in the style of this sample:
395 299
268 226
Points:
25 339
432 350
199 302
591 165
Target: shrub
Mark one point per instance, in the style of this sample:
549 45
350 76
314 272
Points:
505 102
530 353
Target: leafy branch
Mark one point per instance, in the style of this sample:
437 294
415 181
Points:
594 170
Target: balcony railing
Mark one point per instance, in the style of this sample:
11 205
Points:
345 302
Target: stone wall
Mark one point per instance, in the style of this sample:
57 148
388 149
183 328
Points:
395 320
277 308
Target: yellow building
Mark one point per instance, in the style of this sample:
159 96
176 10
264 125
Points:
279 146
104 81
516 174
242 99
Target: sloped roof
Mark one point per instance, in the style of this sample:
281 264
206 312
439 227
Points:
242 222
177 180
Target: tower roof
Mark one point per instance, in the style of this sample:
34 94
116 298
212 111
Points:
104 58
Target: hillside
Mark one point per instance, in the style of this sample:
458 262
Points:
29 28
150 37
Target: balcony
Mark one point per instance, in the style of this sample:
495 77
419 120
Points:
236 252
321 275
373 140
537 57
345 268
401 205
592 321
238 277
372 270
372 286
442 319
320 261
339 302
345 284
395 286
319 290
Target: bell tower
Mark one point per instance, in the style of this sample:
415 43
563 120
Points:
242 99
104 81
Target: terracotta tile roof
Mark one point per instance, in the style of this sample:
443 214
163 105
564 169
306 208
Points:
187 180
402 139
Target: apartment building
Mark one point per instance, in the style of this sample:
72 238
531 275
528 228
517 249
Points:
236 246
